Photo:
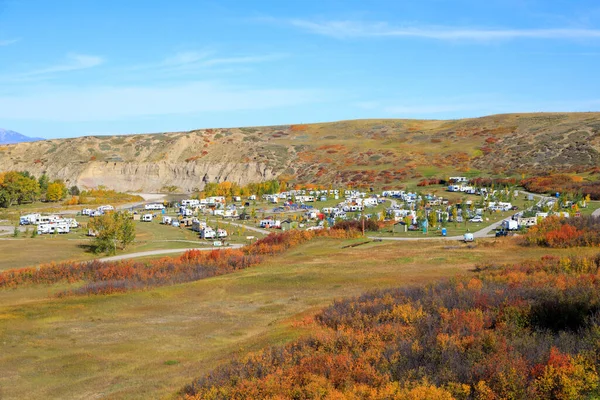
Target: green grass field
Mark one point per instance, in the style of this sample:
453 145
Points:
26 251
149 344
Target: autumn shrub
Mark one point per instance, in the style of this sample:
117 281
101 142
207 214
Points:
431 181
356 225
528 330
564 232
563 184
121 276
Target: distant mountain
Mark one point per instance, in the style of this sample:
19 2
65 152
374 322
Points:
9 137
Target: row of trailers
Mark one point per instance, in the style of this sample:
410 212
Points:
47 224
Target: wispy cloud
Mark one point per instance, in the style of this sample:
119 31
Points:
8 42
356 29
199 61
72 62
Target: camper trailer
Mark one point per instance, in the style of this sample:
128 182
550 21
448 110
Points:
510 225
147 218
208 233
190 203
270 223
154 206
221 233
197 226
29 219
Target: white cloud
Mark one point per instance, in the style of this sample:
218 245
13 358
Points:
350 29
8 42
110 103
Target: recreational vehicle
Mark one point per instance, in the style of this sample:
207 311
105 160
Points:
147 218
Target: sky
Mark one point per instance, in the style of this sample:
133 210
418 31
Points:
99 67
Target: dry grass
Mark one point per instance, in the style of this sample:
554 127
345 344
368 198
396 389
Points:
149 344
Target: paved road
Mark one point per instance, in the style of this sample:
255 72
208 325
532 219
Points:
251 228
161 252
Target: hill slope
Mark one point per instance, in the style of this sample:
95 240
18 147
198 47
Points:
369 152
10 137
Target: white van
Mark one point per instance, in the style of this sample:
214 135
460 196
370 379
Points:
147 218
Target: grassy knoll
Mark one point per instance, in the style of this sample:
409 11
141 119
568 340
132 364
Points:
149 344
27 251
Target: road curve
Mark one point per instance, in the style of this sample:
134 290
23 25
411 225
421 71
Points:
161 252
250 228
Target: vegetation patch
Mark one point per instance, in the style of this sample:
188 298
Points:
488 337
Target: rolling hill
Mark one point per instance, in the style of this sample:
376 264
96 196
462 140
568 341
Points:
359 152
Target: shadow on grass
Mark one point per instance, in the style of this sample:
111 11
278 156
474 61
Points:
88 248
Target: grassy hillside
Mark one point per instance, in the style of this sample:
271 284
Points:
367 152
152 343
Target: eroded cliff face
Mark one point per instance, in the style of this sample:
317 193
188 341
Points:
183 162
151 177
157 176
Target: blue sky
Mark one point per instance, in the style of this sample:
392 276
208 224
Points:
72 68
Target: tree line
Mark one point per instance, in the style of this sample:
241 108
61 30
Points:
19 187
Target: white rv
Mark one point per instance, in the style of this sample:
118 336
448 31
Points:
29 219
221 233
190 203
270 223
208 233
147 218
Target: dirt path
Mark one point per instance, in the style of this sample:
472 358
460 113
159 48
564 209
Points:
161 252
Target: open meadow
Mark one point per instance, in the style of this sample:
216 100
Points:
151 343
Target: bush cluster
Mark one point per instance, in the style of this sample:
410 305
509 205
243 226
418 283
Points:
565 232
510 332
121 276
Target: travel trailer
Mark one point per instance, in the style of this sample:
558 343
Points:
147 218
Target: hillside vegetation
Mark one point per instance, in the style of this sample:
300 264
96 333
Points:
361 152
520 331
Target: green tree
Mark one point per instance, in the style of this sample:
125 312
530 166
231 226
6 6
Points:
432 218
74 191
17 188
44 181
54 192
113 230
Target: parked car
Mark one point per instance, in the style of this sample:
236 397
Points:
501 232
476 218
